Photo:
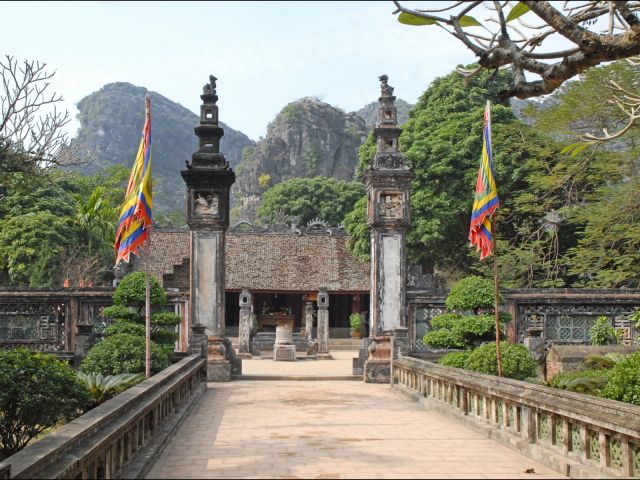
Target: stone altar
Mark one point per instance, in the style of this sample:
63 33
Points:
284 349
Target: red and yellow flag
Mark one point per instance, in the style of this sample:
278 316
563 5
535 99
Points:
135 215
486 200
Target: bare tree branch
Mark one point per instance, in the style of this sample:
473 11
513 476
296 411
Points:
30 121
576 21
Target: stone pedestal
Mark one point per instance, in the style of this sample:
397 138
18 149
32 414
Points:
535 344
218 367
85 339
323 326
284 349
198 339
244 330
308 321
377 368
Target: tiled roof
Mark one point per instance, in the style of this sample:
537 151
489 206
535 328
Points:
270 261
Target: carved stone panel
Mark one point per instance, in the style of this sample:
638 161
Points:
38 325
206 204
391 206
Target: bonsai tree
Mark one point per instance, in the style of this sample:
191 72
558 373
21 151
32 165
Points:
355 322
128 311
469 320
37 391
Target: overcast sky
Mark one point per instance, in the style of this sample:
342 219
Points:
265 54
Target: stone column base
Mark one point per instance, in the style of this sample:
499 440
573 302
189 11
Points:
284 353
323 356
218 372
244 356
218 367
377 368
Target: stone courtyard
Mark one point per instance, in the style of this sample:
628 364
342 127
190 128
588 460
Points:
329 429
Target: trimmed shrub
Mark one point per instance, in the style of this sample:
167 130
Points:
123 353
471 293
131 291
444 321
624 380
37 391
517 362
455 359
474 329
443 339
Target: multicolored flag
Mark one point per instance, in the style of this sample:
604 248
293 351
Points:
135 217
486 200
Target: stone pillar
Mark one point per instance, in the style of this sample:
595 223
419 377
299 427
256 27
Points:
388 180
85 339
535 344
323 326
308 321
208 178
244 330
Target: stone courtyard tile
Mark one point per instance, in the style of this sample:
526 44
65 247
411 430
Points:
337 429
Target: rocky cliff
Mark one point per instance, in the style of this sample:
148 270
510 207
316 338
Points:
111 122
307 138
369 112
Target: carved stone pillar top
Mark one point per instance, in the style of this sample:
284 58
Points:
245 298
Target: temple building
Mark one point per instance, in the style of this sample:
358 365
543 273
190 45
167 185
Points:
281 267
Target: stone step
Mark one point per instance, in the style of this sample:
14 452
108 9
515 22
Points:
300 378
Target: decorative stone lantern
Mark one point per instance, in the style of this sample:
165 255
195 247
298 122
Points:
208 178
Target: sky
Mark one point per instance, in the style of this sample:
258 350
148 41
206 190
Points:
265 54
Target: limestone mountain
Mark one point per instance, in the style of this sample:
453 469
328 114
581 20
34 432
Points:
369 112
111 121
307 138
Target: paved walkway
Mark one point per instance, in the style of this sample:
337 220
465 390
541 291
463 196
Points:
329 429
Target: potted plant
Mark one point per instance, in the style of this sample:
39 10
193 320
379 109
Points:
355 322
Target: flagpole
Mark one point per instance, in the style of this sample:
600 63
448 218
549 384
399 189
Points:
147 279
147 307
496 292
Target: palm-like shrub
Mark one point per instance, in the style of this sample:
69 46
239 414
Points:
102 387
590 382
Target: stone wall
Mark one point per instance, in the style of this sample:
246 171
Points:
65 322
562 316
570 358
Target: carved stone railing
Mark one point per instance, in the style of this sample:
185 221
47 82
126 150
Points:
122 436
578 435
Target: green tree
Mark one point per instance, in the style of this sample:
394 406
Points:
37 391
303 199
442 142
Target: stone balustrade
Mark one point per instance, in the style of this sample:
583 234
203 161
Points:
121 437
578 435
